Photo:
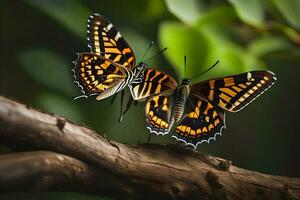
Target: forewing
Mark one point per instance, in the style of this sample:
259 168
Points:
233 93
104 39
151 83
158 111
95 75
201 122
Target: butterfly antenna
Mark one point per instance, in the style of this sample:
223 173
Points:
184 67
205 71
148 49
160 52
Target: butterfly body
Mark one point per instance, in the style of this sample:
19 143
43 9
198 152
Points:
180 99
133 76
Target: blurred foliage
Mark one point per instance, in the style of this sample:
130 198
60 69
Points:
59 105
39 39
251 12
290 11
187 11
71 14
46 68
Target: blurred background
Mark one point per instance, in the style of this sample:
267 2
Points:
39 39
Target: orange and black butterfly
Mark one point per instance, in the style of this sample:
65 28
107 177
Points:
111 65
198 110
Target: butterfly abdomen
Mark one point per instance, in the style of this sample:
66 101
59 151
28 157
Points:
112 90
179 103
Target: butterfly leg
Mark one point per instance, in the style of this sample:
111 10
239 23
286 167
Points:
113 98
121 108
129 103
149 138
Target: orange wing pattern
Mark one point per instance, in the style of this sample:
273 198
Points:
95 75
233 93
105 70
104 39
202 110
151 83
201 122
158 113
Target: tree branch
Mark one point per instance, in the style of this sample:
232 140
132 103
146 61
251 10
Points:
49 171
135 171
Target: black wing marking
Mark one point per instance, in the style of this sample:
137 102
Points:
202 122
233 93
103 38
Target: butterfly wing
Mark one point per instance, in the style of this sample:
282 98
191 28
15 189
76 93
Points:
104 39
103 71
151 83
95 75
233 93
158 113
202 122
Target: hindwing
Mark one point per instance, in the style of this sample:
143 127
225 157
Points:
95 75
158 113
201 122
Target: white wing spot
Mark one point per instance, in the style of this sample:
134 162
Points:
249 75
118 35
109 26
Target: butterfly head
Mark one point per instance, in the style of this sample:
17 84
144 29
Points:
142 66
185 81
139 69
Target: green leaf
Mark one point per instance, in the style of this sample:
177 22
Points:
70 13
290 10
221 15
184 41
251 12
187 11
230 60
220 47
58 105
269 44
48 68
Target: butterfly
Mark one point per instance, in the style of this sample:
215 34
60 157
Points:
111 66
197 111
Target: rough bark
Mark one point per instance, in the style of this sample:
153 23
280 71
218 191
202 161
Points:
106 167
49 171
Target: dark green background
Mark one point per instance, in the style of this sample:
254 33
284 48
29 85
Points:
39 39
